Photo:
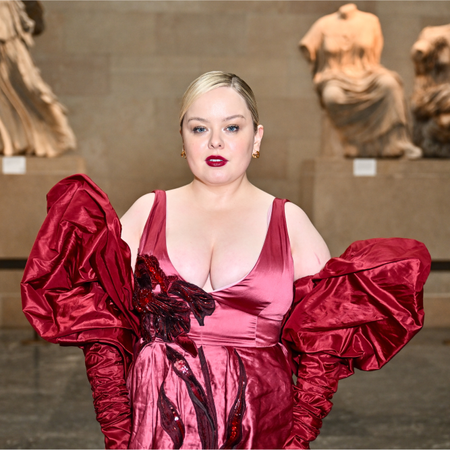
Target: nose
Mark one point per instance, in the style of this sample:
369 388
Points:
215 141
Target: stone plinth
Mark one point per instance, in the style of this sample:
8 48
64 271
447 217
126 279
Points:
11 315
404 199
23 204
23 208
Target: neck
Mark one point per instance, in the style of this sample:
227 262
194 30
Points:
347 11
216 197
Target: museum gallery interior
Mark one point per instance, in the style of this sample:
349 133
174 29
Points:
355 103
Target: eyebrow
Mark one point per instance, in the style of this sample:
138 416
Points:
197 118
200 119
234 117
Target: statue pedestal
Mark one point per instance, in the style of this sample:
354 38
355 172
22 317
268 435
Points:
403 199
23 208
23 202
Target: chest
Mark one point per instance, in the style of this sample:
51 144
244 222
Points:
353 36
215 249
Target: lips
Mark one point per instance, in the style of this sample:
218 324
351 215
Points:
216 161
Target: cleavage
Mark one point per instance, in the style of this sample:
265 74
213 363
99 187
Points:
216 267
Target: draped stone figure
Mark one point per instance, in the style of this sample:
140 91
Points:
363 99
32 121
431 97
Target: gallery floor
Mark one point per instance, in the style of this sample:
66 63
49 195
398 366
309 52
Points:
45 399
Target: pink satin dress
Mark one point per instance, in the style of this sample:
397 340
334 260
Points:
235 389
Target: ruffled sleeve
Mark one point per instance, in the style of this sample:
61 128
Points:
358 312
77 290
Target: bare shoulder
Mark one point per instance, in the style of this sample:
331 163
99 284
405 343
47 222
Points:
133 221
309 250
294 213
299 225
139 211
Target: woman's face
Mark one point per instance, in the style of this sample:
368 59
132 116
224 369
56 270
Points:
219 137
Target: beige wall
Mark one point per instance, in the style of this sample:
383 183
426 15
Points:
121 67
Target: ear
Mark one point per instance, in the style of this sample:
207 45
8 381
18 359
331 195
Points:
257 139
181 134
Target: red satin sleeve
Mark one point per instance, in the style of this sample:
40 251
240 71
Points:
77 290
358 312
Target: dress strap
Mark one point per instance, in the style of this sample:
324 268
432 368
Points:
155 227
278 245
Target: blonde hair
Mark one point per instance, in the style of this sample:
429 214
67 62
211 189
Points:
211 80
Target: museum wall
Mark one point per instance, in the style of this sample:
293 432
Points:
121 67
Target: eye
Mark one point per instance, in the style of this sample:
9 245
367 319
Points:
199 129
232 128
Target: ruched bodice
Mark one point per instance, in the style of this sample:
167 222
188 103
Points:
249 312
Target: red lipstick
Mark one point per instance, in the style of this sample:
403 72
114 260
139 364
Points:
216 161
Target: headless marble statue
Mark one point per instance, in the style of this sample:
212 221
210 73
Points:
32 121
364 100
431 97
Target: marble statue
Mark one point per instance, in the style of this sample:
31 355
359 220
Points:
363 100
430 102
32 121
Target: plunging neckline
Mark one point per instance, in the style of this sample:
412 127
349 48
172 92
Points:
229 286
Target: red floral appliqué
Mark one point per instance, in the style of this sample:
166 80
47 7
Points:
166 302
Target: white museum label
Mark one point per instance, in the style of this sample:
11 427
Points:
14 165
364 167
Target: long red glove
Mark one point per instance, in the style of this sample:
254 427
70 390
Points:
317 382
105 371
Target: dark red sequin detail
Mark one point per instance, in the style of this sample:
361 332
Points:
209 394
170 419
206 420
165 303
234 423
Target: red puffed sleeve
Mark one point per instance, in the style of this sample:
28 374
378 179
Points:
77 290
358 312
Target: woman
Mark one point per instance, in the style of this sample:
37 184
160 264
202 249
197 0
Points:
216 228
214 269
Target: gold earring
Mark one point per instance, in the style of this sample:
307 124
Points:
256 155
183 153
